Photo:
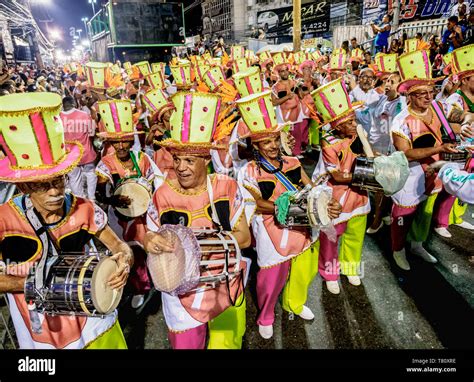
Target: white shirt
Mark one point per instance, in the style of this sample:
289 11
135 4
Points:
455 9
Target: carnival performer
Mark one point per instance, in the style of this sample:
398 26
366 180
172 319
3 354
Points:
37 160
460 110
189 200
422 132
267 177
340 148
115 168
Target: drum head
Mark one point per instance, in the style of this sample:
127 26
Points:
284 142
318 209
104 298
139 195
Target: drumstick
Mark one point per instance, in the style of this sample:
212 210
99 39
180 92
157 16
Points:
365 142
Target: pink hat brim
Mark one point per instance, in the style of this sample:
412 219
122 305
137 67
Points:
405 85
74 151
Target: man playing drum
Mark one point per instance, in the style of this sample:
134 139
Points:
190 200
137 174
267 177
340 148
37 159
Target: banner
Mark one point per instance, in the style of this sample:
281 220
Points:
315 18
410 10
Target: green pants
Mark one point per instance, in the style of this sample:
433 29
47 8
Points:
420 228
302 272
314 133
457 212
228 328
111 339
352 242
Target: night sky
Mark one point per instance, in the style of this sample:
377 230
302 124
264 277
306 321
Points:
65 14
68 13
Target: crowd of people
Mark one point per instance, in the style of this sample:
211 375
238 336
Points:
214 142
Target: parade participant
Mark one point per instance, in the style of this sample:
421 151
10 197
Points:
340 148
460 110
456 182
186 200
365 93
388 107
267 177
288 105
159 109
419 131
112 170
79 126
36 163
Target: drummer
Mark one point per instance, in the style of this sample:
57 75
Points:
117 167
186 200
340 148
419 131
267 177
460 109
37 168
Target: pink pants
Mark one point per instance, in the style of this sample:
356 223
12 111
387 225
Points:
270 283
190 339
328 254
402 218
300 132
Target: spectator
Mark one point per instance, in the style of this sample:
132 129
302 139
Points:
434 47
452 37
456 7
469 35
354 44
79 126
345 46
382 32
394 46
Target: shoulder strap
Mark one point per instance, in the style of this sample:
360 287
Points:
279 175
214 215
135 164
466 99
50 253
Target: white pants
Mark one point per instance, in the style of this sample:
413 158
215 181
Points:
83 181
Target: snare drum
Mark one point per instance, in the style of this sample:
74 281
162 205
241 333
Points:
139 191
76 285
364 175
203 258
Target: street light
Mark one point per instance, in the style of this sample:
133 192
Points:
55 34
85 20
92 2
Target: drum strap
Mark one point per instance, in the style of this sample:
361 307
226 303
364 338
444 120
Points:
135 164
214 215
50 253
217 223
446 129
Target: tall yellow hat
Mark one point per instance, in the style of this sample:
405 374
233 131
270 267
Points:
248 82
182 74
194 124
415 71
463 61
258 113
32 138
117 118
333 103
